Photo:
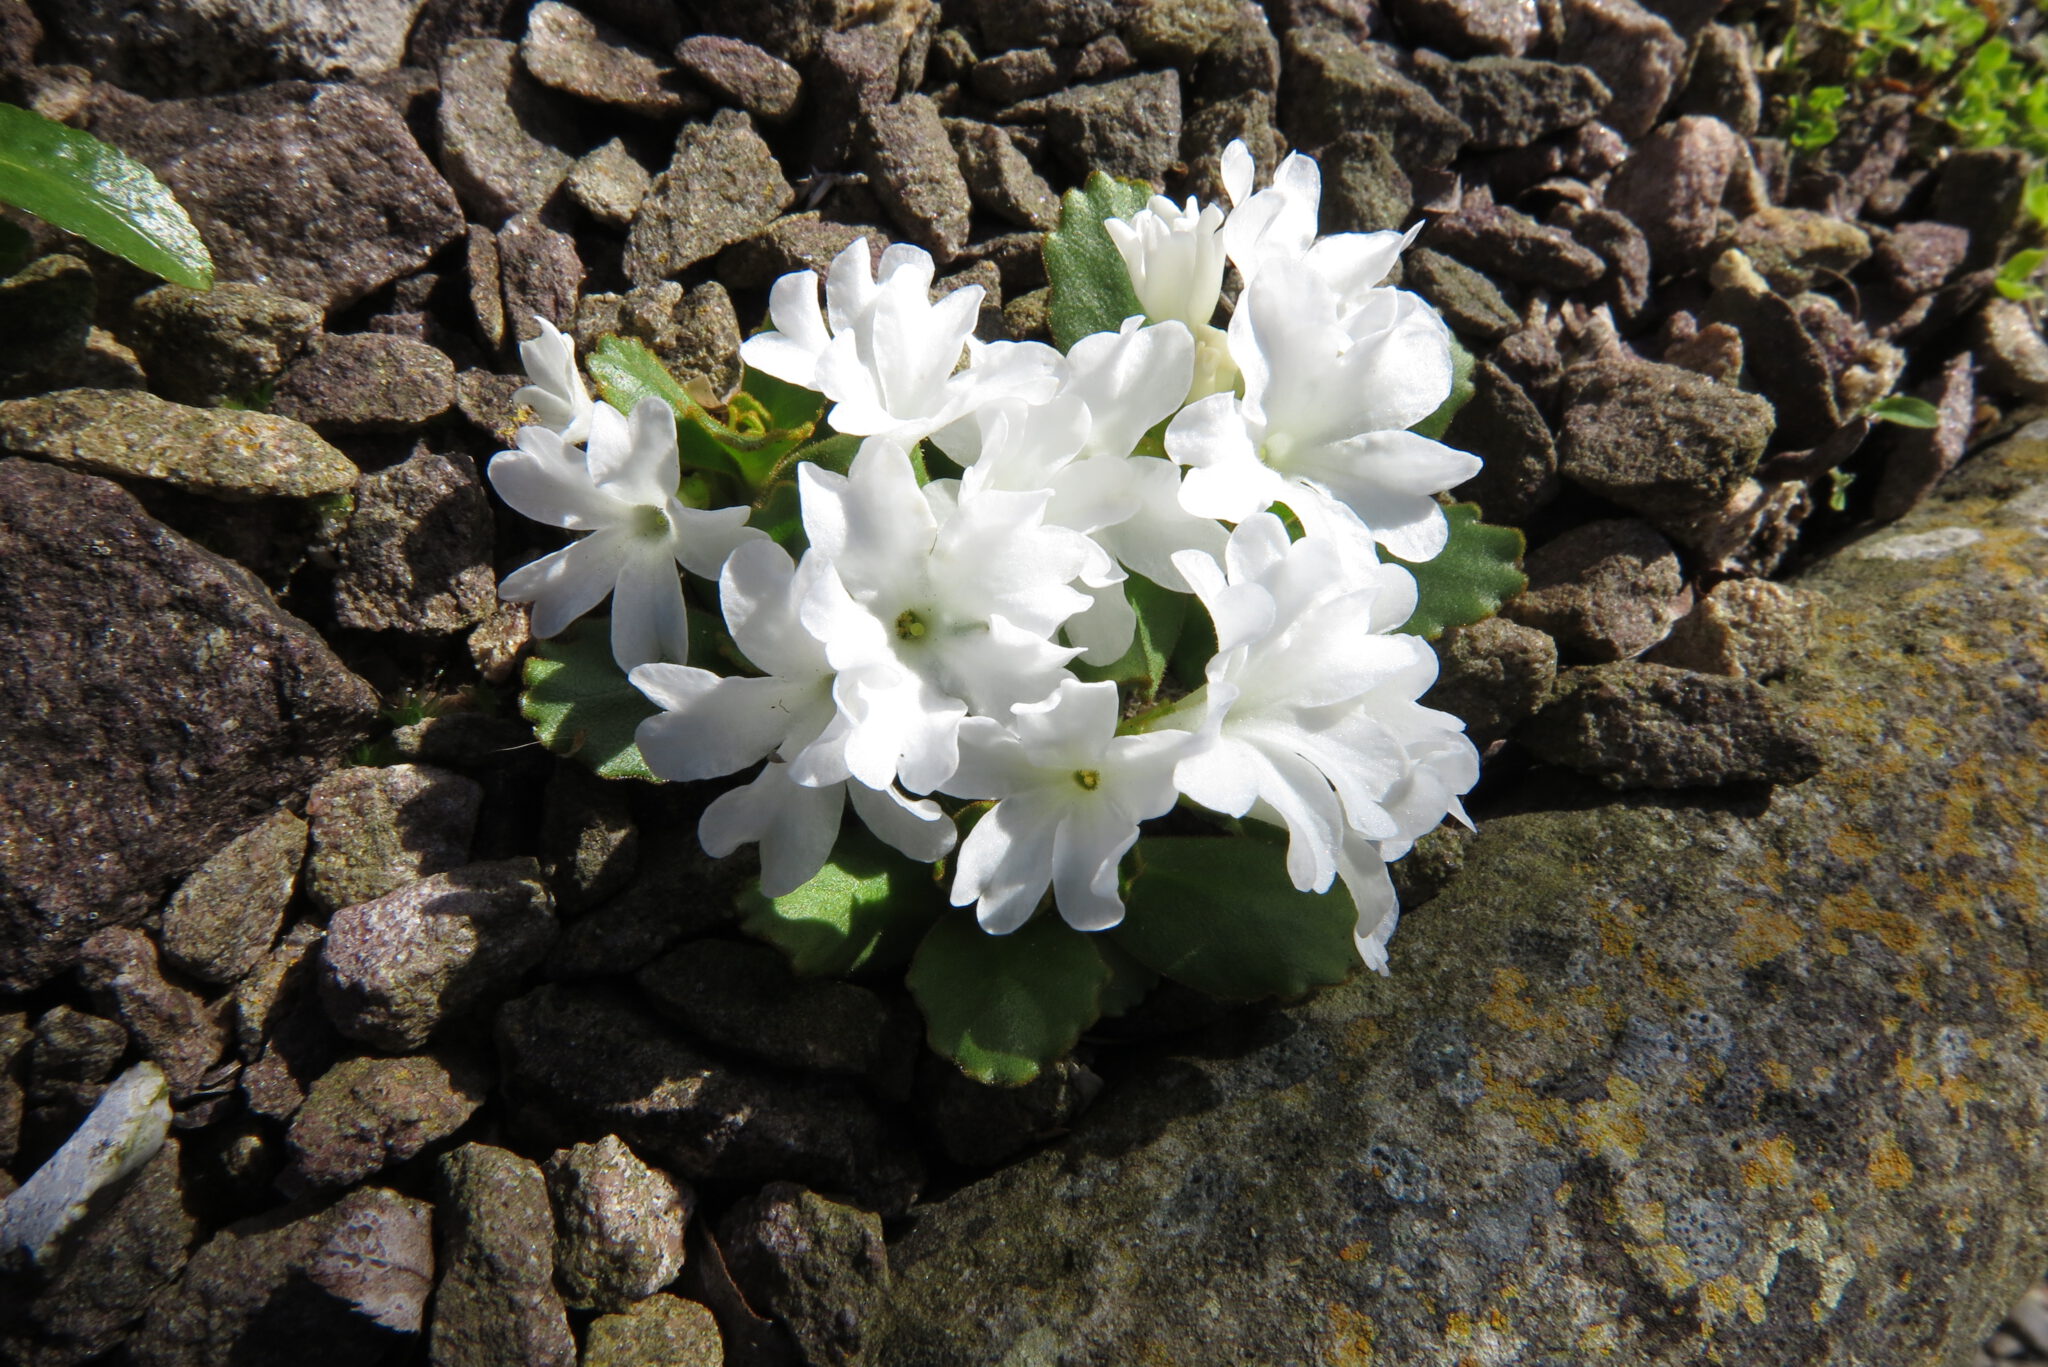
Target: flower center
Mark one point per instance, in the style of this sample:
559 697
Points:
1088 780
1277 449
650 522
910 626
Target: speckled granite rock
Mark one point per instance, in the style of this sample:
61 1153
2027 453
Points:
1660 1081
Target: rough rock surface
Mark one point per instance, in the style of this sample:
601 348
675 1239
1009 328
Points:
187 47
1606 590
368 1113
376 829
225 706
497 1300
226 915
661 1329
618 1224
504 144
224 343
367 382
221 453
417 554
722 186
1670 1078
176 1028
816 1265
366 205
1659 440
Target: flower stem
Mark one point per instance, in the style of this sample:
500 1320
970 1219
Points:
1165 716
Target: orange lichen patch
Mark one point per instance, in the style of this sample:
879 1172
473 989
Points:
1674 986
1912 984
1911 1075
1613 1127
1722 1295
1542 1118
1773 1163
1960 1222
1458 1328
1668 1264
1349 1340
1857 911
1821 1203
1822 1075
1889 1168
1753 1304
1356 1252
1508 1007
1959 1092
1855 845
2014 991
1777 1074
1619 927
1361 1033
1764 935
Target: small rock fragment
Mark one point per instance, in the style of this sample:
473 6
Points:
1635 725
570 51
1672 187
1511 101
1128 127
1789 247
609 184
1916 459
393 970
52 300
1472 304
981 1126
618 1225
374 830
1007 24
541 274
124 1131
1493 674
722 186
367 382
1658 440
590 846
759 82
1469 28
1513 246
203 346
999 177
225 916
1501 420
818 1266
176 1029
1723 83
504 143
798 242
2015 356
1915 258
1606 590
915 172
365 1114
1364 188
416 556
72 1054
497 1301
661 1329
1633 51
1745 629
1335 86
220 453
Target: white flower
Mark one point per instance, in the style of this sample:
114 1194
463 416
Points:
1279 224
1072 793
1311 712
930 606
1174 258
885 354
556 396
621 490
711 726
1328 398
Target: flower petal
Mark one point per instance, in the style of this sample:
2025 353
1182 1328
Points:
565 585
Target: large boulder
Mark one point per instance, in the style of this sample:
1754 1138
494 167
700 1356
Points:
158 704
1736 1077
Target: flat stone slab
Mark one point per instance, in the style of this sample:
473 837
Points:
157 703
1738 1078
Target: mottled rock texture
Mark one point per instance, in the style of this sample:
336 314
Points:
1655 1080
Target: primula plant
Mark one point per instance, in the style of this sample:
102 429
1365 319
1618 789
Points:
1113 651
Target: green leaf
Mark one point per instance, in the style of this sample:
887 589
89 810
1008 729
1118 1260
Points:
1219 914
1004 1006
78 183
1462 389
1904 410
778 510
15 246
627 372
1160 612
581 703
1129 981
2015 279
868 908
1480 569
1091 289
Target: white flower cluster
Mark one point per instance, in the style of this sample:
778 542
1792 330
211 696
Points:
921 644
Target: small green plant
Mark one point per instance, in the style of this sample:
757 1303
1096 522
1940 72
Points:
74 181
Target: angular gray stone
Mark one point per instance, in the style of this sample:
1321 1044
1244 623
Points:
722 187
365 1114
505 143
497 1301
2015 356
1633 51
858 69
796 242
375 830
744 998
416 556
1469 28
1918 257
192 47
1633 725
226 707
217 452
394 970
541 275
1128 127
1510 245
661 1329
1512 101
1007 24
331 1286
176 1029
1746 629
695 333
225 917
1175 33
1658 440
1494 673
1364 188
1334 86
52 299
1605 590
816 1265
1916 460
618 1225
1723 82
914 171
366 206
366 382
1783 360
72 1054
1503 426
582 1062
759 82
1672 187
119 1258
1789 247
570 51
610 183
1667 1096
224 343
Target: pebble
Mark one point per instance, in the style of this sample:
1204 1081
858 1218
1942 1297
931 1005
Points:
661 1329
1512 101
374 830
505 143
618 1225
818 1266
1659 440
915 172
1605 590
540 273
497 1301
52 301
416 556
1509 244
722 187
1128 127
366 1114
759 82
225 916
1500 419
609 183
1672 188
366 382
569 51
1634 52
1493 674
999 178
1470 28
176 1029
201 347
1745 629
1336 86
